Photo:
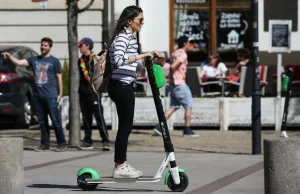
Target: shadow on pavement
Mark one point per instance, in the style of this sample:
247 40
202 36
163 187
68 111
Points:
76 188
124 190
52 186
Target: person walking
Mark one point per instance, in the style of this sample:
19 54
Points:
180 93
90 103
47 70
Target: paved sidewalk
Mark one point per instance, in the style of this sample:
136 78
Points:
218 162
55 173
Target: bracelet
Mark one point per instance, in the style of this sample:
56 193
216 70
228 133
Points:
135 58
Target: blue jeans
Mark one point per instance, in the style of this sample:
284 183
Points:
48 106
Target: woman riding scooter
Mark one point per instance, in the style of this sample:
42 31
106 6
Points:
124 57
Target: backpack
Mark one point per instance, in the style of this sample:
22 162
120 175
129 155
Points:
101 71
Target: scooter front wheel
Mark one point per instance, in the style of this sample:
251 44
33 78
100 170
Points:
82 184
184 182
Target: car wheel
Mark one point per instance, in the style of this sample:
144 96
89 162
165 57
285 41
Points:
25 117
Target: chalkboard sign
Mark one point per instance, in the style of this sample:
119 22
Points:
193 24
232 29
280 35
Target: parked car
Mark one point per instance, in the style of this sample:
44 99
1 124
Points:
16 83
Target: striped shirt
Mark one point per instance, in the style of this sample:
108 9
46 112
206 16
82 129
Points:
123 46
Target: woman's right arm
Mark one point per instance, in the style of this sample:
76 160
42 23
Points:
132 59
120 46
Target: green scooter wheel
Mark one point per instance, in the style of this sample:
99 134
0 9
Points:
82 184
184 182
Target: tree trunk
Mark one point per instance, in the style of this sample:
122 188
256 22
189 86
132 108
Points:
74 110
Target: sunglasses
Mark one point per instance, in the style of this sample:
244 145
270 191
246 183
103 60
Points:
79 46
141 20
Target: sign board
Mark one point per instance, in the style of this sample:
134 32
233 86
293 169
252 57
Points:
232 28
280 36
193 24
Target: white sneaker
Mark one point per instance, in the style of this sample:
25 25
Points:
126 171
138 171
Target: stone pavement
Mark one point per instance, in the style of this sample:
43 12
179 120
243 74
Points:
55 173
218 162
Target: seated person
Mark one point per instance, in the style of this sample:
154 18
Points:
165 64
214 68
243 57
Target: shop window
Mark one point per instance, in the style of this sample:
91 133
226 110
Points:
233 31
213 25
233 27
195 25
192 4
234 3
191 18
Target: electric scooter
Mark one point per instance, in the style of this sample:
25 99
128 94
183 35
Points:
287 88
175 178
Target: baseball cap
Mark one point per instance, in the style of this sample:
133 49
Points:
87 41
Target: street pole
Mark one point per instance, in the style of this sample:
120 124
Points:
105 31
112 17
256 104
138 34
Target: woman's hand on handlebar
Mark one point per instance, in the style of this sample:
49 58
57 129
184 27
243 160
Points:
155 53
152 54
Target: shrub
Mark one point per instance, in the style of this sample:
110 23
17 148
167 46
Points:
66 78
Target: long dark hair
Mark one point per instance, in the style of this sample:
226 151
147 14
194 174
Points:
128 14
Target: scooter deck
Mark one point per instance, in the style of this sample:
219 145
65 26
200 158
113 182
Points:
122 180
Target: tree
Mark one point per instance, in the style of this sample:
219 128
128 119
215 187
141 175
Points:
74 111
66 78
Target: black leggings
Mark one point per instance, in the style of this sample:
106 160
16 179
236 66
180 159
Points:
123 96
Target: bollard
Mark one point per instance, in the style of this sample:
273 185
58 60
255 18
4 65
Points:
282 166
11 166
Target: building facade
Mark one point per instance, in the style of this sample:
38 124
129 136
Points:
216 25
27 22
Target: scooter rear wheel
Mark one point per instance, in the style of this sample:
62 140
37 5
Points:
184 182
82 184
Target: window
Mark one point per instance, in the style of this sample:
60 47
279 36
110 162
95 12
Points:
213 25
233 27
234 3
191 18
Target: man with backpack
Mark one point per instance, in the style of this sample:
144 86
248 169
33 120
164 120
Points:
90 103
